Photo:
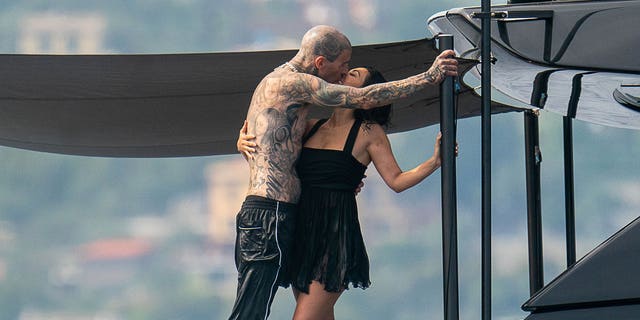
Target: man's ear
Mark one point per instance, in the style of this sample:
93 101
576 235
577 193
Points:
319 62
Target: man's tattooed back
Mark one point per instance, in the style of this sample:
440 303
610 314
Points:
278 124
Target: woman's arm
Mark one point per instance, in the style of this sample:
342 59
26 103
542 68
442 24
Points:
387 166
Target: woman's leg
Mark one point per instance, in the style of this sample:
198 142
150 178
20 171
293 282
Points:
317 305
296 293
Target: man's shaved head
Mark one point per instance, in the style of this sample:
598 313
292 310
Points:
324 52
324 41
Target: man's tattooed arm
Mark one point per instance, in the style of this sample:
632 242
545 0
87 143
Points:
325 94
318 92
384 93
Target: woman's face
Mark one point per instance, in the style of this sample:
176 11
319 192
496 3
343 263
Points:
356 77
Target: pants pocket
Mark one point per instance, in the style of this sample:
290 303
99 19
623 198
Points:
252 242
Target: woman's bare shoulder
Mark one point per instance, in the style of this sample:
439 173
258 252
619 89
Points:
373 130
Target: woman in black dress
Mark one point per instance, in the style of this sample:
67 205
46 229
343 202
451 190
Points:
329 252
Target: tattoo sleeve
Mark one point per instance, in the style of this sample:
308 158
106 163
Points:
329 95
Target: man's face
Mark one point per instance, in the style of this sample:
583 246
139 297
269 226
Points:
334 72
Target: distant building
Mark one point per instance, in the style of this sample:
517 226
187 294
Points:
104 263
62 33
114 249
60 315
363 13
227 184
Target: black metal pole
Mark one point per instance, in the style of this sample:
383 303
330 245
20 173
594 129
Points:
533 157
485 53
448 182
569 196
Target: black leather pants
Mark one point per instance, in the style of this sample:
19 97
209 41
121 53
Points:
264 231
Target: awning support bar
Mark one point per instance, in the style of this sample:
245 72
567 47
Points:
448 191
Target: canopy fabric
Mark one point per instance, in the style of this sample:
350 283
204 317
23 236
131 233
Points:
618 312
602 280
577 60
173 105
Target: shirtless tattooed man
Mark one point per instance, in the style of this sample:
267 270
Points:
277 117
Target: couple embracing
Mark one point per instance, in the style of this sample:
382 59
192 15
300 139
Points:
299 223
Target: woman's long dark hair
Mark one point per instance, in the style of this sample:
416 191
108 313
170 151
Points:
379 115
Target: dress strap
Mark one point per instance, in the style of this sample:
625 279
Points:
313 130
353 134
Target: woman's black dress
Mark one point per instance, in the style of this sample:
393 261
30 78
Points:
328 245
